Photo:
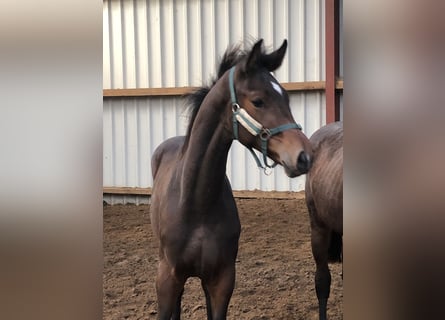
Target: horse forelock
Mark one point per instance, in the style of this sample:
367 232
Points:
231 57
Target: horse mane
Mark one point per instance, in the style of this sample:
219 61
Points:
231 57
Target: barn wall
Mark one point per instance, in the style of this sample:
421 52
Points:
176 43
134 127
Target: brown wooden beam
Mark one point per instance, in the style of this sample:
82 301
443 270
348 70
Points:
127 190
179 91
237 194
339 84
303 86
144 92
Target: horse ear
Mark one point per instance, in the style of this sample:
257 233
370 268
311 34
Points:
273 60
254 56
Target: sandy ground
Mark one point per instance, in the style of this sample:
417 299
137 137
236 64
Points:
275 268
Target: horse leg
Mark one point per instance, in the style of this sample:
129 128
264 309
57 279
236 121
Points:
208 305
320 244
218 293
176 315
169 291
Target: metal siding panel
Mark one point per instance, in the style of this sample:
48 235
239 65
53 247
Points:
311 45
222 26
167 41
125 199
312 112
144 147
133 128
207 40
280 28
194 44
253 174
118 141
168 116
106 60
296 39
251 16
131 143
151 132
154 43
181 43
265 21
116 66
128 44
177 43
156 123
141 43
280 32
236 16
107 126
308 110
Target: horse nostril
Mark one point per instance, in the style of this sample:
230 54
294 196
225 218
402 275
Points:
303 162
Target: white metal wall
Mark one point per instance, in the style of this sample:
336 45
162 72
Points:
175 43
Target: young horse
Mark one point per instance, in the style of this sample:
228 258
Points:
324 199
193 212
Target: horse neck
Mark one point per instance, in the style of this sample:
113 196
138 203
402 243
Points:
205 158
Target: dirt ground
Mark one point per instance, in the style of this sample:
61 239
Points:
275 268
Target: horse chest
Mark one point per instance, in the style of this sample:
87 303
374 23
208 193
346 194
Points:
201 249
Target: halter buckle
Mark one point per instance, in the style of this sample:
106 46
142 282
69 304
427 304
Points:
235 107
267 171
265 134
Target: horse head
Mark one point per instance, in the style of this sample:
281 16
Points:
262 118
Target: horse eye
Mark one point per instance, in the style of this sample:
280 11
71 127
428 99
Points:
258 103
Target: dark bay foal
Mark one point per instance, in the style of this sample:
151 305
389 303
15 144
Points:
193 212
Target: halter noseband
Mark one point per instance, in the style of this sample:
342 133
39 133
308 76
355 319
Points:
255 128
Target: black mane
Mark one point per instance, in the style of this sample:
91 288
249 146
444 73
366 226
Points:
231 57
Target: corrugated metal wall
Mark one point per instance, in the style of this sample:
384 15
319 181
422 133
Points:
175 43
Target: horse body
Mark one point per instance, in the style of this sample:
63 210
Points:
193 212
197 224
324 198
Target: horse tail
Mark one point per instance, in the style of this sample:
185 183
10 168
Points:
335 251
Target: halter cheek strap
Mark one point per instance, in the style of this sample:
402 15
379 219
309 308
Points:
255 128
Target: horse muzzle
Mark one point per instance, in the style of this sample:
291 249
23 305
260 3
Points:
294 153
304 162
302 165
